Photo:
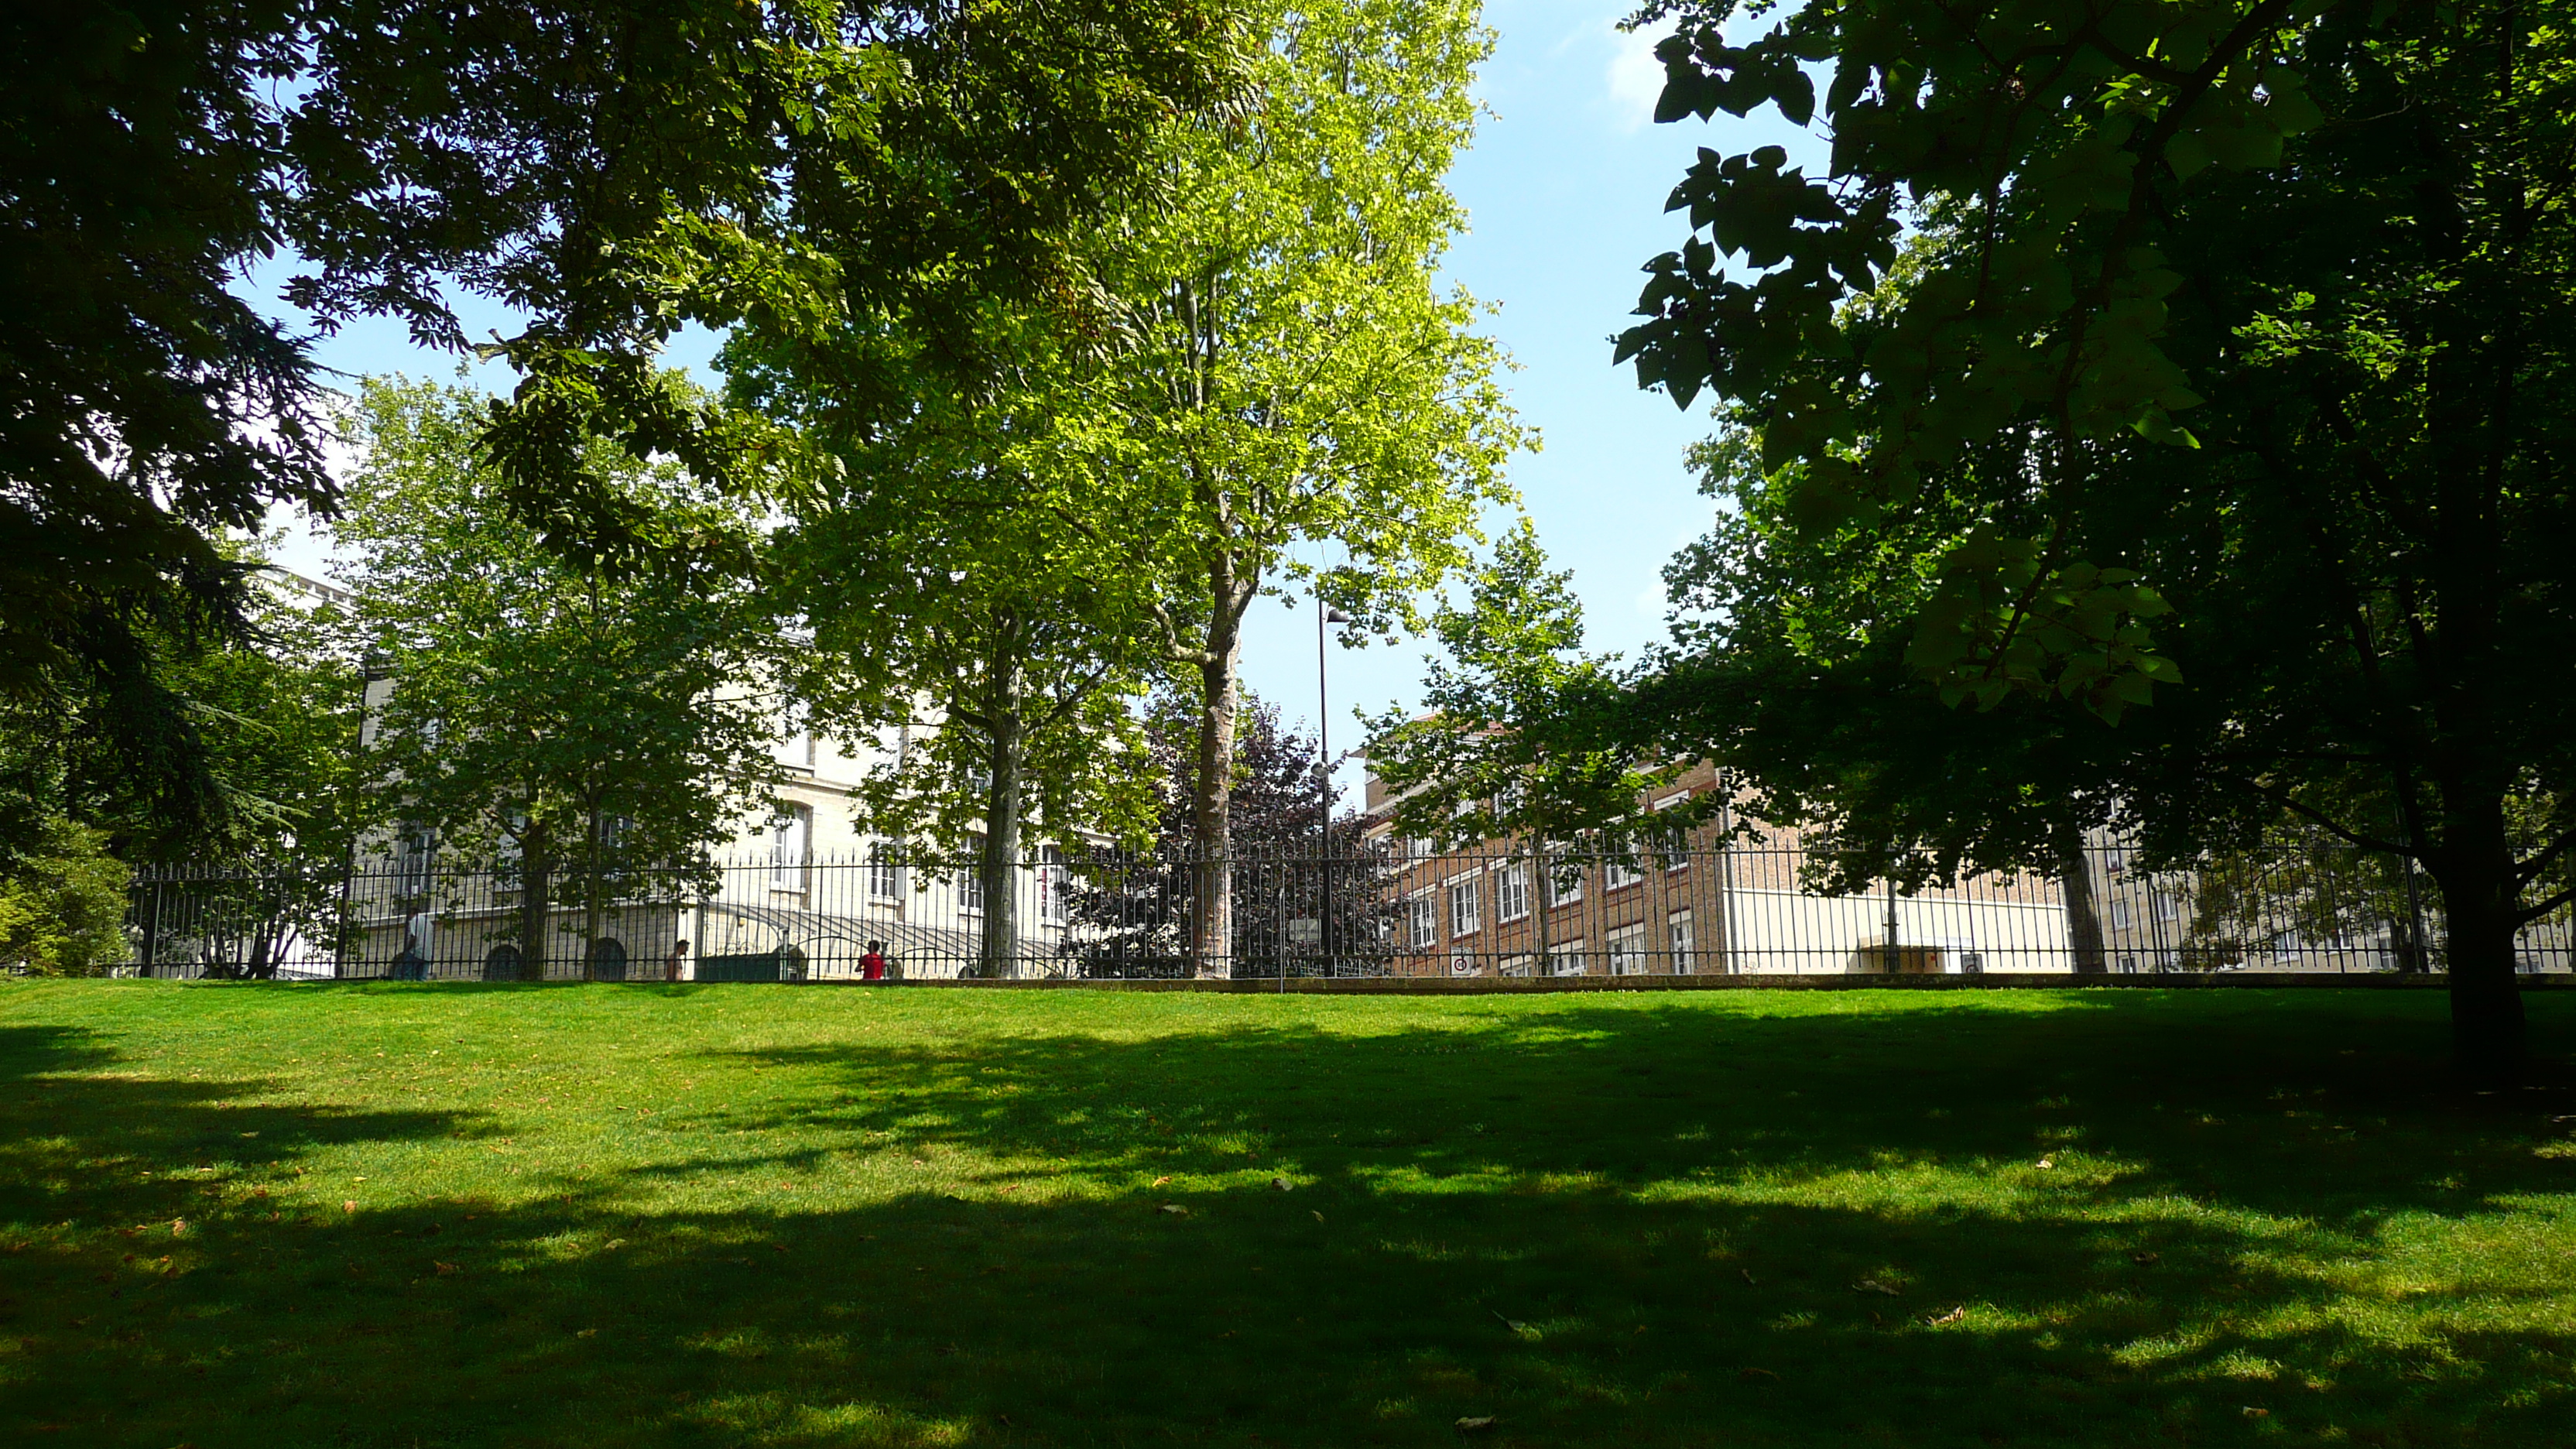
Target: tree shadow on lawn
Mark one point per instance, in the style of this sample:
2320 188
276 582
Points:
1619 1224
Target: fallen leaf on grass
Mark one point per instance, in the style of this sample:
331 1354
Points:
1280 1183
587 1333
349 1206
2046 1163
2255 1413
2142 1258
1955 1315
1176 1210
178 1227
1319 1217
1158 1182
445 1270
1872 1285
1748 1275
1749 1373
1475 1423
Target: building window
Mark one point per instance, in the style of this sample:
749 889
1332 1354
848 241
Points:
2119 914
1626 954
1673 842
1562 881
1678 932
795 746
885 872
1466 907
416 848
1518 965
1054 885
1421 928
970 885
789 835
1512 891
1619 870
2168 906
1565 959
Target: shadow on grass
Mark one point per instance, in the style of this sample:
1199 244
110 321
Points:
1629 1224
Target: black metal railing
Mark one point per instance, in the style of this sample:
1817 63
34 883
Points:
1498 909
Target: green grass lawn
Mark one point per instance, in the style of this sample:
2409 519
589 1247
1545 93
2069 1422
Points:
646 1215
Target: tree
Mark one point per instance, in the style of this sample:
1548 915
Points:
2233 348
544 715
609 170
946 596
1296 377
62 903
1512 738
1140 904
148 407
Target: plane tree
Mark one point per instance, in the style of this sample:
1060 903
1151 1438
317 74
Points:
1298 380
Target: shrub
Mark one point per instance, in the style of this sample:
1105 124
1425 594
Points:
62 903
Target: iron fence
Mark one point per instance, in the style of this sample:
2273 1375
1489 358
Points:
1391 909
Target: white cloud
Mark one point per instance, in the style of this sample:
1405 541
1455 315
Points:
1636 78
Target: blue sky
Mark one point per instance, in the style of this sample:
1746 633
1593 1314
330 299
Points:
1564 188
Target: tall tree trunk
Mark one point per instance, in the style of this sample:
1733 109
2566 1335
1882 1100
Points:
536 864
2083 915
2481 903
1212 828
999 954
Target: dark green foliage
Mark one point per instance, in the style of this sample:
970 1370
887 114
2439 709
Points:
2232 352
609 170
138 170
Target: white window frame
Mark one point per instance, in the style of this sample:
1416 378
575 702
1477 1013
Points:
1421 919
791 847
1052 881
1623 949
1511 891
1680 937
1562 952
1676 844
1549 860
1522 964
885 874
1618 875
970 882
1466 905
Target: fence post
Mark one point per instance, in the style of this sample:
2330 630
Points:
1887 957
151 927
2416 957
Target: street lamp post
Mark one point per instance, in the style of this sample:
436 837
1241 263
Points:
1324 614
